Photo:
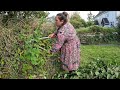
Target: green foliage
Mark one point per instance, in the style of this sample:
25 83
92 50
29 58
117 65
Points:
77 21
90 21
99 70
90 16
94 70
47 28
34 53
98 35
22 53
20 15
118 25
105 64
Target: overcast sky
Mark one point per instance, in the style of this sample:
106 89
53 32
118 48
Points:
83 14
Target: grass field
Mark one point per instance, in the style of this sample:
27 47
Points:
107 53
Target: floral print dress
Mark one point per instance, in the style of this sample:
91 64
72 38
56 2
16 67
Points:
69 45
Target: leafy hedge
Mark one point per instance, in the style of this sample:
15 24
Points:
96 35
96 69
22 53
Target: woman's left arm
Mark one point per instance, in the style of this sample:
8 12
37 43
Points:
60 41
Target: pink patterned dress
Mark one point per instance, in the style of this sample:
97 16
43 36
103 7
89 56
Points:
69 45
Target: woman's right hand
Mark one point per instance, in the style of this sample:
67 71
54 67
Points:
52 35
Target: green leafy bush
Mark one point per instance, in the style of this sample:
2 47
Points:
22 53
96 69
98 35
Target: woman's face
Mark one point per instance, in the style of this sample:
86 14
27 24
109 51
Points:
58 22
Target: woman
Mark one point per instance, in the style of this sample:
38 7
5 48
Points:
67 43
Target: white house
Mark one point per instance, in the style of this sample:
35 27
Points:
107 18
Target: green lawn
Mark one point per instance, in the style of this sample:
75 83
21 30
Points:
108 53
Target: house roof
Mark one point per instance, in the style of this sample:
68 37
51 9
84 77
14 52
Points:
100 12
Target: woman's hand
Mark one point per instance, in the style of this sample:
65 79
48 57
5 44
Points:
52 35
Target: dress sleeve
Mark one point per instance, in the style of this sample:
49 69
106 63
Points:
60 41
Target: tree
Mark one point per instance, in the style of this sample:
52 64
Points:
118 26
84 23
77 21
90 16
90 19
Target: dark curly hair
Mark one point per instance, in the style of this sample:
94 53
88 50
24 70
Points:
63 16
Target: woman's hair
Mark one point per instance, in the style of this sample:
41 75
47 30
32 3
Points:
65 13
63 16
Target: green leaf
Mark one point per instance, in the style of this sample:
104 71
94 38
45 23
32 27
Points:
112 72
103 71
30 77
117 69
65 75
117 74
78 73
58 76
75 77
18 50
91 73
2 62
28 57
96 73
113 77
33 59
108 76
22 58
34 62
37 55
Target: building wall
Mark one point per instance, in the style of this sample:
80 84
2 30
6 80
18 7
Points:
99 18
118 13
111 15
